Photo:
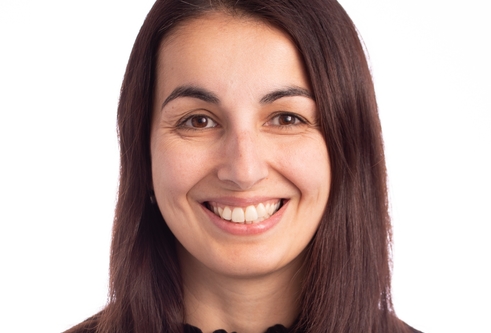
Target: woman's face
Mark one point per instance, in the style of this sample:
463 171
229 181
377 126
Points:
240 169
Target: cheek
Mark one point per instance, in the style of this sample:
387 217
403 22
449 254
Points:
175 169
307 166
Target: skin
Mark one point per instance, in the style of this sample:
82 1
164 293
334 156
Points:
246 132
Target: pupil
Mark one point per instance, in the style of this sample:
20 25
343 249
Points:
286 119
200 122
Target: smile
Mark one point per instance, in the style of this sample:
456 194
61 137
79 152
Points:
248 215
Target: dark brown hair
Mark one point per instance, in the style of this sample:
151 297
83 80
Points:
347 285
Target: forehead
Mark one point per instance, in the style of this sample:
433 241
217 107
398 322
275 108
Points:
221 51
217 34
215 25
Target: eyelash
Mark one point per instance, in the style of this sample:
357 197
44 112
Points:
296 118
184 123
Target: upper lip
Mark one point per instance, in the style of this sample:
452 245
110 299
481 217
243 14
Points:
240 202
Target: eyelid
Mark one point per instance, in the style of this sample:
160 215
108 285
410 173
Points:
301 120
182 122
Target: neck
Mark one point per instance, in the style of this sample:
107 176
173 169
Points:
240 304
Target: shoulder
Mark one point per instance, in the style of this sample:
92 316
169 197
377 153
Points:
87 326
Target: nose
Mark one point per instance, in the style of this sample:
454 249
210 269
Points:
244 163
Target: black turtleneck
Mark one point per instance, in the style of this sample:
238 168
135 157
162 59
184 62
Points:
274 329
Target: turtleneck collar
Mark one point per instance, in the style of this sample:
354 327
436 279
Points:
273 329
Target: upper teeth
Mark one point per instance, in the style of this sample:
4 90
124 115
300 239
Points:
250 214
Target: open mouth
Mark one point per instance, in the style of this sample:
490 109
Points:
248 215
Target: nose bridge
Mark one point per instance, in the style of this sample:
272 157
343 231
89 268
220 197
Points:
244 163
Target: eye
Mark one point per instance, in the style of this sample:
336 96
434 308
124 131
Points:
286 119
199 122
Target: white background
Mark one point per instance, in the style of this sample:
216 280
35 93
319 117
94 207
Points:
61 66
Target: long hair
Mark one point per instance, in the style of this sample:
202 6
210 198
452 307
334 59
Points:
347 285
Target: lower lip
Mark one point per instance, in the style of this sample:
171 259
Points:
243 229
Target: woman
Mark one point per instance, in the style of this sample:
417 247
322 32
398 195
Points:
252 189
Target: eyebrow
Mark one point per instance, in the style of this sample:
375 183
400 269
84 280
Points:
208 96
287 92
194 92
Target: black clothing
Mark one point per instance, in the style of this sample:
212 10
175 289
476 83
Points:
89 326
274 329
